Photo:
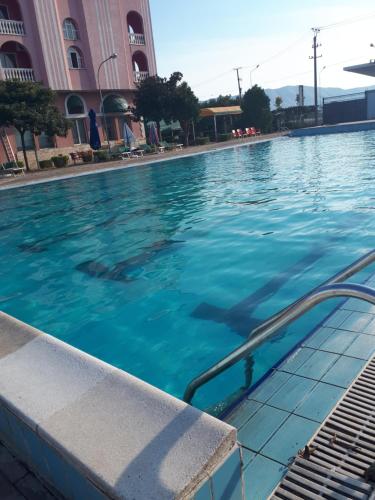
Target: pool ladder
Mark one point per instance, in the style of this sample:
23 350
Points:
331 288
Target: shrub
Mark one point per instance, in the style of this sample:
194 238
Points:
87 156
101 155
20 164
45 164
60 161
202 140
224 137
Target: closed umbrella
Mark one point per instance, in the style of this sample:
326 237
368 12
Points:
129 137
153 134
94 132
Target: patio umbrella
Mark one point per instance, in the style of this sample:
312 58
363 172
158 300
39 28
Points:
129 137
94 133
153 134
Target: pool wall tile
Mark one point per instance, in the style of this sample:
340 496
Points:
227 480
319 403
269 386
261 477
204 492
261 427
317 365
363 347
343 372
292 393
293 435
296 360
356 322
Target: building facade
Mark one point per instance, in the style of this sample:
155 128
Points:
62 44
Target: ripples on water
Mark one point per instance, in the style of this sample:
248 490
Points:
162 270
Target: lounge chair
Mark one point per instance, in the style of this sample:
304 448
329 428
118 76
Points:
234 134
240 133
12 168
258 131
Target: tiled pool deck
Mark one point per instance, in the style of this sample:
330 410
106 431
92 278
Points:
282 414
17 482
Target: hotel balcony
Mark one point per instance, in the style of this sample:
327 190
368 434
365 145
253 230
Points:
22 74
15 63
139 76
137 39
8 27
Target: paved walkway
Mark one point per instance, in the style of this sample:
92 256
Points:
81 169
17 482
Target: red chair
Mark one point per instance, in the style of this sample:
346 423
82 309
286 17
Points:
234 134
240 133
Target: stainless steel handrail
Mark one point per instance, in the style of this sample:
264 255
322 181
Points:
328 289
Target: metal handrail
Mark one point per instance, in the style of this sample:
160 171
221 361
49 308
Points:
328 289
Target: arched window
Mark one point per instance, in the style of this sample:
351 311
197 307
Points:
70 30
75 105
135 22
75 58
139 62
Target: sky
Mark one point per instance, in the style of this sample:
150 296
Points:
206 39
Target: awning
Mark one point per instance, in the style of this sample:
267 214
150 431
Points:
367 69
223 111
115 104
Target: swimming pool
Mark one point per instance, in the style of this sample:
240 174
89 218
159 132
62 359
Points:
163 269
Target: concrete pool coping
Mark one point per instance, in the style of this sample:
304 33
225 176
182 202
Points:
41 177
94 431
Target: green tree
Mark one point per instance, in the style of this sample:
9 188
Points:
256 109
150 100
51 123
26 106
278 102
153 99
184 107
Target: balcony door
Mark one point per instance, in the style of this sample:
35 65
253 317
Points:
4 12
8 60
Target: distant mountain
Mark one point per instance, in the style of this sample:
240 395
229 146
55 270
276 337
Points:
288 94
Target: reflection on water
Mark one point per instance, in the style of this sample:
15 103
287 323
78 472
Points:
162 270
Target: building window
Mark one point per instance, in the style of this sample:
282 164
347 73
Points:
75 58
46 141
29 140
79 131
75 105
70 30
4 12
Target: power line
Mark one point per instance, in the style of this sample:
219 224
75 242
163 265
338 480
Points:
347 21
209 80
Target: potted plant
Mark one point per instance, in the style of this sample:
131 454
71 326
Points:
45 164
87 156
60 161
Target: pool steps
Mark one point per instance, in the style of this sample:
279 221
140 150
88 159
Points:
331 288
280 416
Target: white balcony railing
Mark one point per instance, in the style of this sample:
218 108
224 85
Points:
137 39
8 27
23 74
139 76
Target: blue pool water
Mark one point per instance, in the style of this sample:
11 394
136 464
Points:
161 270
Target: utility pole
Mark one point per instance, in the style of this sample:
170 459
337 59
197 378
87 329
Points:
315 57
239 82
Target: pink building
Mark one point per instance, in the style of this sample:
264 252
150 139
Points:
62 43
